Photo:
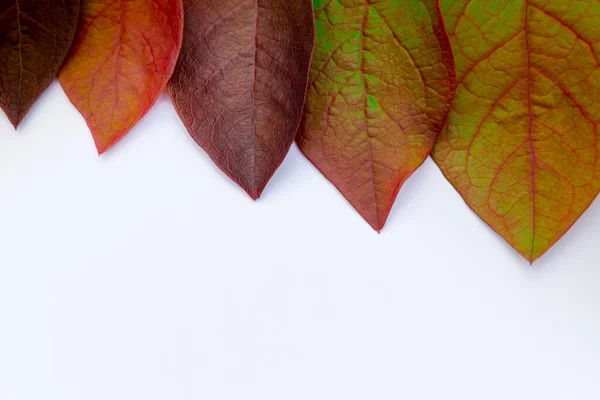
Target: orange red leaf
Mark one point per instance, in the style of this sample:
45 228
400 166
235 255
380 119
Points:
122 58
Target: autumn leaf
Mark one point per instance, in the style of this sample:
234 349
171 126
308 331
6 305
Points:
381 84
240 82
35 37
521 144
123 56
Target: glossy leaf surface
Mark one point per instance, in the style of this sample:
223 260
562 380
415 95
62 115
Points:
381 84
521 144
240 82
123 56
35 37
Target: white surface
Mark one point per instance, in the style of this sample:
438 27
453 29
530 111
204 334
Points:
146 274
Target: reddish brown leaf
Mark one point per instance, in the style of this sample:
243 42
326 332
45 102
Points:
240 82
35 37
122 58
381 84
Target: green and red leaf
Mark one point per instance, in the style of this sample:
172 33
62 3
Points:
35 37
240 82
381 84
123 56
521 143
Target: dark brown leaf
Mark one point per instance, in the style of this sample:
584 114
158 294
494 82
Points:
35 36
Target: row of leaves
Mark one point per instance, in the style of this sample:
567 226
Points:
367 88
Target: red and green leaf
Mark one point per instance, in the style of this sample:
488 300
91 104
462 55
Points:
35 37
240 82
123 56
381 84
521 143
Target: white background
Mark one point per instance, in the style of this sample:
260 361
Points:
146 274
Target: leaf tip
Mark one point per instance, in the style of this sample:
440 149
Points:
102 146
376 225
101 149
533 258
15 120
253 189
529 255
254 193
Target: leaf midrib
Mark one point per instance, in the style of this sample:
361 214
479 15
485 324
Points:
252 99
20 32
530 131
366 93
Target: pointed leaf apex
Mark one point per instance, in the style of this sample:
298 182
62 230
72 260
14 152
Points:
247 135
526 166
365 132
254 195
136 74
